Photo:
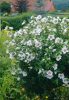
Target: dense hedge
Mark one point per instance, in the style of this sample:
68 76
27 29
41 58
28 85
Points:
15 21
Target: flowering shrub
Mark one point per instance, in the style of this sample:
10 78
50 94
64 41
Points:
42 50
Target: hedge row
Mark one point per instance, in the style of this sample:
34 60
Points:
15 21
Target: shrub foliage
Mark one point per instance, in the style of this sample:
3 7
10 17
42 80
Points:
42 50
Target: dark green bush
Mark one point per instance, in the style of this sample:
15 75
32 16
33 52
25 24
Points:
15 21
5 7
60 93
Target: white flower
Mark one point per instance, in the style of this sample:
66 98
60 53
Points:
50 47
51 37
65 80
41 70
17 48
30 67
11 56
65 30
11 28
37 44
20 32
24 73
38 17
55 20
53 50
64 50
29 57
18 78
13 72
61 76
55 66
44 20
32 17
49 74
15 34
29 43
21 55
58 58
54 30
37 31
59 40
6 28
23 22
58 18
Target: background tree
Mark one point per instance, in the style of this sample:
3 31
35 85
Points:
22 5
5 7
39 4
